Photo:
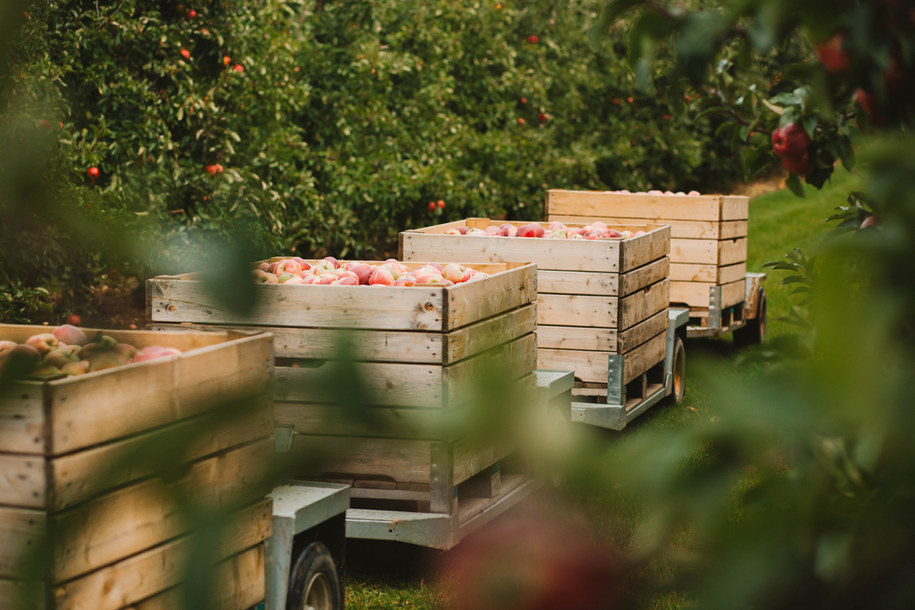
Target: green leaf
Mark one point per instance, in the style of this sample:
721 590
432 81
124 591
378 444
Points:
794 183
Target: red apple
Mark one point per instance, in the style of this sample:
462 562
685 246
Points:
43 342
790 141
833 55
92 172
381 277
70 335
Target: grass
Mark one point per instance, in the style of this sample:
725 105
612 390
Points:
384 575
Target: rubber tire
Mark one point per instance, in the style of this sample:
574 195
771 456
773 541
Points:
754 331
314 580
678 383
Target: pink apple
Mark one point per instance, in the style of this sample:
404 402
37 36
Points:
43 342
70 335
287 266
506 229
304 264
295 279
463 230
333 261
453 272
555 225
591 235
612 233
346 280
124 352
693 194
325 279
599 226
493 230
263 277
6 346
453 232
405 280
574 231
559 234
526 231
363 271
323 266
381 277
437 266
475 231
264 266
285 277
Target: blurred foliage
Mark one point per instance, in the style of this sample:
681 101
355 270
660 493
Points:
318 128
797 490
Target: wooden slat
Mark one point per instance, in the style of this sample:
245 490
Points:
693 272
643 249
23 481
22 595
733 229
386 383
577 337
577 310
733 293
158 569
645 275
643 331
732 251
22 418
595 283
510 361
241 585
476 300
643 357
568 254
732 273
735 207
22 531
138 338
696 294
644 303
324 343
487 334
374 307
107 405
141 516
382 422
699 251
630 205
403 460
687 229
473 455
79 476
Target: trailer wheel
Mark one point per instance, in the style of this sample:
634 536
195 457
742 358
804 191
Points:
754 331
314 584
678 384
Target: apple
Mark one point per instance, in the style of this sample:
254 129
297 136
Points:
790 141
870 221
405 280
102 359
453 232
5 346
59 358
346 280
475 231
797 165
71 369
124 352
43 342
463 230
453 272
493 231
154 352
381 277
362 271
332 261
287 266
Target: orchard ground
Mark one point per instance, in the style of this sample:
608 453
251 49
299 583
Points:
385 575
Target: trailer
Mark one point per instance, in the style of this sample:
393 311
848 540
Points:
708 253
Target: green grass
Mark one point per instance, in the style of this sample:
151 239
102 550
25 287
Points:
397 576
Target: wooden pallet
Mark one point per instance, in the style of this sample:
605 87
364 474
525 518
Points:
708 240
388 427
595 297
82 511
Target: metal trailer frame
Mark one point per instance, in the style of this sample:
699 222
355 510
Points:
298 507
613 414
440 530
723 320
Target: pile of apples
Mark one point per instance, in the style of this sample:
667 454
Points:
68 350
332 272
553 230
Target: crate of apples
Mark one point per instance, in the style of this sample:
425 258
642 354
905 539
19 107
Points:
330 271
550 230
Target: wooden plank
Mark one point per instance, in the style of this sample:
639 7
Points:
324 343
510 361
701 251
565 254
596 283
155 570
693 272
643 249
401 460
732 273
733 293
472 455
240 585
476 300
138 338
386 383
693 294
343 420
684 229
22 595
100 407
732 251
632 205
487 334
643 357
23 481
577 337
138 517
732 229
643 331
22 418
644 303
735 207
577 310
371 307
644 276
79 476
22 532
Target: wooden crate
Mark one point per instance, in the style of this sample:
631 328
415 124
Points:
99 523
595 297
419 351
708 238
